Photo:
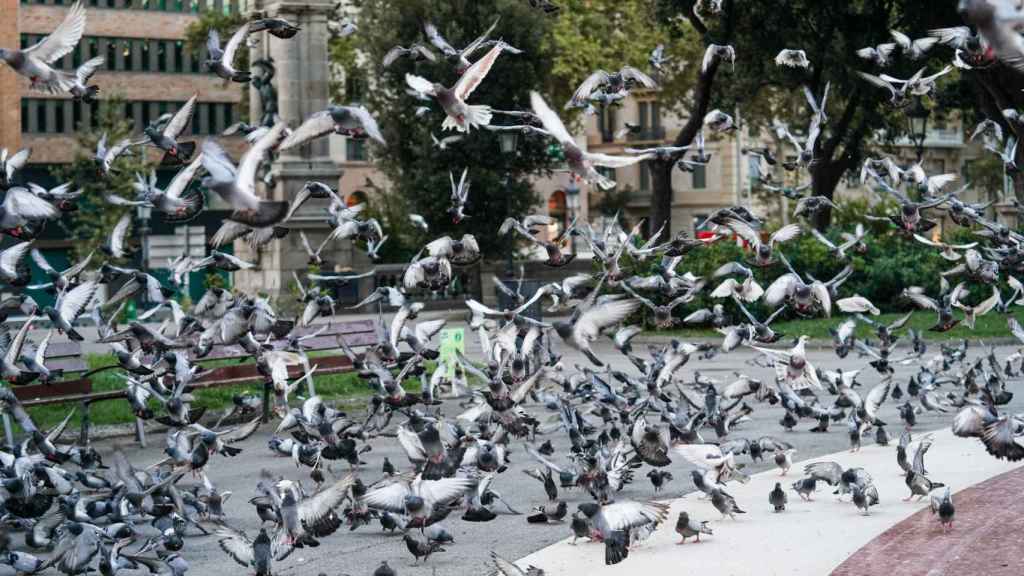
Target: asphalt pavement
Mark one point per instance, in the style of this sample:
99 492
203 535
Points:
359 552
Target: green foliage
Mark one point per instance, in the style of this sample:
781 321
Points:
419 172
614 201
891 263
91 224
608 34
225 25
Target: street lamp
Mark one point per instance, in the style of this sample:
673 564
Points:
507 140
142 215
917 118
572 201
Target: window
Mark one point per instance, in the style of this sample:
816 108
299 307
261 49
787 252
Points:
643 111
699 219
355 89
700 177
754 169
161 57
58 116
607 122
41 117
645 176
179 56
144 60
965 170
355 150
111 53
24 115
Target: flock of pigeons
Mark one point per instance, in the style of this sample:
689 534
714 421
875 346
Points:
80 515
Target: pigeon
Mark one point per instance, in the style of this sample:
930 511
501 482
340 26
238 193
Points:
459 115
416 52
175 152
725 503
277 27
37 61
943 507
222 62
793 59
580 331
687 528
605 82
461 57
582 164
237 186
350 121
777 498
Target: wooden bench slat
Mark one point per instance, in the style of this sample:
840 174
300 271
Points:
67 364
58 389
64 349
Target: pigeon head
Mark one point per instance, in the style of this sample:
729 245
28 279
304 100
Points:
589 509
564 329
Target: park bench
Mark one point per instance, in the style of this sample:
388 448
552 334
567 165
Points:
68 356
74 387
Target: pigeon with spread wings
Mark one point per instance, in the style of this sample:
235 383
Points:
351 121
460 115
237 186
581 164
37 62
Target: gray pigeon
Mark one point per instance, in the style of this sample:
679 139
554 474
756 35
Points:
943 506
36 61
175 152
725 503
222 62
686 527
22 213
351 121
777 498
237 186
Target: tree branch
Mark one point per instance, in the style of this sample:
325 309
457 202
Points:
828 148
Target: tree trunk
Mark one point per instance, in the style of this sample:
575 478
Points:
661 170
661 196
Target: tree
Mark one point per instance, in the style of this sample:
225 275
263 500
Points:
830 33
94 219
419 171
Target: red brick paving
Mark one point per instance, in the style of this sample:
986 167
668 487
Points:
987 537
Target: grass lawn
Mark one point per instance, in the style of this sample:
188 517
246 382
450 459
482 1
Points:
992 325
331 387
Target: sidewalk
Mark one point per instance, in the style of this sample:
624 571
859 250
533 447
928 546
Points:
814 538
987 537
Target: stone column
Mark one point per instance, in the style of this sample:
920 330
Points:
302 82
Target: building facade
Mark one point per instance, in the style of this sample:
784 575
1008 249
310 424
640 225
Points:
149 70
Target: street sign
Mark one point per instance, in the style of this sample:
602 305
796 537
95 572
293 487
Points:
453 341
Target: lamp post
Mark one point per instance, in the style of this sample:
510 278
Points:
572 201
142 214
507 140
917 118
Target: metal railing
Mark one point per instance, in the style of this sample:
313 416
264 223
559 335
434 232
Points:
647 135
465 284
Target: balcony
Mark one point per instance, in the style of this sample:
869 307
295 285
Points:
952 137
646 134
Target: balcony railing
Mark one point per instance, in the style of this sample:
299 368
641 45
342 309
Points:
647 135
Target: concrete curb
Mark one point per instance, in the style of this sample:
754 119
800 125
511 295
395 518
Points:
809 538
